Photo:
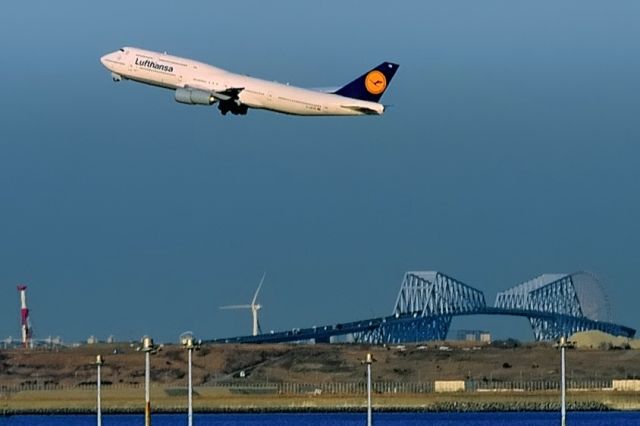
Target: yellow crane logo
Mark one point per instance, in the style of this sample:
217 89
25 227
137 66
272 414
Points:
375 82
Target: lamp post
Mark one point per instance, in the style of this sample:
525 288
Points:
147 348
368 361
563 386
99 362
189 343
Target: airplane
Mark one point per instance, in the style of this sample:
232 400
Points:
197 83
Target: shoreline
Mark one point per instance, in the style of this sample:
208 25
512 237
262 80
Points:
55 404
280 410
319 378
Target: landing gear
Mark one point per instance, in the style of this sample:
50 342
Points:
116 77
233 107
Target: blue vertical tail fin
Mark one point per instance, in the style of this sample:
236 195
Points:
371 85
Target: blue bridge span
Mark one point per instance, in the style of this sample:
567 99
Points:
555 304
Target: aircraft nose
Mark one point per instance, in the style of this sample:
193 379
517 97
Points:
107 59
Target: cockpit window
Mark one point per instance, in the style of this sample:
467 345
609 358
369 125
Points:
122 50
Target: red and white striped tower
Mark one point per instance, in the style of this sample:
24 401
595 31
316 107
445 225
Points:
24 317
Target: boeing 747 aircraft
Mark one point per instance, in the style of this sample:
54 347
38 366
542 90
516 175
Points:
196 83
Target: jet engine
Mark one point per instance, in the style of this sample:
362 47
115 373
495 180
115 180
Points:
194 97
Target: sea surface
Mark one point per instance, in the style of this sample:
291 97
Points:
343 419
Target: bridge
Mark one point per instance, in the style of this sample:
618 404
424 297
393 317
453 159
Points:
555 304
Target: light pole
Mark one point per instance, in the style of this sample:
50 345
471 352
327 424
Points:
99 362
188 341
147 348
563 386
368 360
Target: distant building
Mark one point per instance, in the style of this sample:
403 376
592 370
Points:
471 335
345 338
92 340
9 342
485 337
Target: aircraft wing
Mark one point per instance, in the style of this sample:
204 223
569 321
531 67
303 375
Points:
230 94
228 99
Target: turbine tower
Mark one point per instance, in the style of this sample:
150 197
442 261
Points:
25 322
255 307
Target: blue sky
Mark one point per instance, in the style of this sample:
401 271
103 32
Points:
511 150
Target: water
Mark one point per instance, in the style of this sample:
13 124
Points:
342 419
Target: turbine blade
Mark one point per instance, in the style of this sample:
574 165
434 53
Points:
235 307
255 296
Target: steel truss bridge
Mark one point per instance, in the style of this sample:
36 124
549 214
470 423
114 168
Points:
555 304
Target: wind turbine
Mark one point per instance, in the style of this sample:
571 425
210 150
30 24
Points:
255 307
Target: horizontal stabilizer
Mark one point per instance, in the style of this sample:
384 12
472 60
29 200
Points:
364 110
332 89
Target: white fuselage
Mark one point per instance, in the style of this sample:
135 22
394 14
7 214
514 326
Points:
172 72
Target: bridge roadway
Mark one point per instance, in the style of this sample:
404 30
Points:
323 334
